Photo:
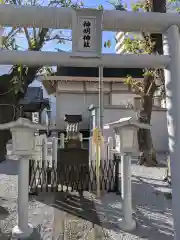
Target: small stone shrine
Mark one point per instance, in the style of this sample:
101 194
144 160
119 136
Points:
73 160
72 131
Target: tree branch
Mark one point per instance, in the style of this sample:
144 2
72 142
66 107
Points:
42 35
27 37
35 35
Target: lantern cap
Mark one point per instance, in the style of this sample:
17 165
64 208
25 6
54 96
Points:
23 123
128 121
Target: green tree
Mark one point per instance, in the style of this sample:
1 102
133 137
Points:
173 6
13 86
150 44
153 44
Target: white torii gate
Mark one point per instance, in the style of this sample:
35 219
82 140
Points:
166 23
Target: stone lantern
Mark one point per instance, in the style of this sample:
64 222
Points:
125 131
23 145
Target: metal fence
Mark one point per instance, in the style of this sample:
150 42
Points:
50 176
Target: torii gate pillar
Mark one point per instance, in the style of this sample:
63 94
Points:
172 85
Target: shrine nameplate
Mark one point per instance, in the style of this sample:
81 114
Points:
86 33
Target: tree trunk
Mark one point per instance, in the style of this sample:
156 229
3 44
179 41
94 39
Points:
9 110
7 113
148 156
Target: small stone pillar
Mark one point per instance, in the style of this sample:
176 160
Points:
23 145
125 131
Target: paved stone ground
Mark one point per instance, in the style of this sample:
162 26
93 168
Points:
151 209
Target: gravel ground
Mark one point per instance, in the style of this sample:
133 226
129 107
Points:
40 215
152 210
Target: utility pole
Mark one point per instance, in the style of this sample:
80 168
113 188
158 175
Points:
101 99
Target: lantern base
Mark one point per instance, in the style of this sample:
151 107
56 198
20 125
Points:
17 233
127 226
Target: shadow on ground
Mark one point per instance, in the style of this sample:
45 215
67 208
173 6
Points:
9 167
36 235
3 214
153 211
73 204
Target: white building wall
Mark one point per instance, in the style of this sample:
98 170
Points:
76 103
158 122
122 98
76 87
69 103
44 117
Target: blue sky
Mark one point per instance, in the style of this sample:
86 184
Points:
67 46
51 46
106 35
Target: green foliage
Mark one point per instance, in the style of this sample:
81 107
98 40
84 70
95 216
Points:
149 73
137 46
136 7
136 86
107 44
140 6
174 5
144 45
100 7
36 40
118 5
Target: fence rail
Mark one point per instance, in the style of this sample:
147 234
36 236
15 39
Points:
49 176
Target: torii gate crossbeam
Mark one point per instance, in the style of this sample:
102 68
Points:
59 18
34 58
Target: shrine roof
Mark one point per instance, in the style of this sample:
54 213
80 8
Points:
93 72
75 74
33 99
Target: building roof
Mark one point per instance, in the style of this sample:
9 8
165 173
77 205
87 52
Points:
33 99
89 74
93 72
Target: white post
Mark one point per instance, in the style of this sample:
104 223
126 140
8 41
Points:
23 146
100 123
62 140
110 149
90 150
110 160
44 150
105 154
54 150
23 229
81 137
91 160
103 150
44 159
101 100
127 223
54 158
172 84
